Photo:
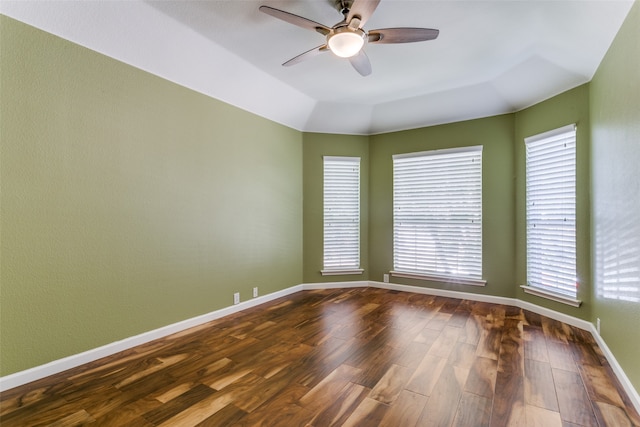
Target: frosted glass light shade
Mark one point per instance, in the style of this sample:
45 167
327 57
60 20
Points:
346 43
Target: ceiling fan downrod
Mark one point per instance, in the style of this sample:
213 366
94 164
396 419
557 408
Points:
343 6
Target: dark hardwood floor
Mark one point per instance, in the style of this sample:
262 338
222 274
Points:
349 357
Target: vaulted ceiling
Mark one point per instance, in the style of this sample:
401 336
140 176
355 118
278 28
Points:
491 57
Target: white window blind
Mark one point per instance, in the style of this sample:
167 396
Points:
341 215
551 211
437 214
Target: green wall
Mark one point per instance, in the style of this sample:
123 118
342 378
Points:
128 202
315 146
564 109
615 120
495 134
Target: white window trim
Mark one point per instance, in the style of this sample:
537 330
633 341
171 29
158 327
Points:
469 149
433 276
550 133
551 296
342 269
338 272
544 292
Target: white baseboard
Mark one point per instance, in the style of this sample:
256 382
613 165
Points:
570 320
336 285
60 365
617 369
38 372
441 293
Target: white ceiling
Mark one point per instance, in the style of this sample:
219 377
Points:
491 57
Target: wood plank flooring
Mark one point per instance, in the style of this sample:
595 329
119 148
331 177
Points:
344 357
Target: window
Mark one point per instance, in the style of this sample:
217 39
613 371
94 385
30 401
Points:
551 214
341 215
437 215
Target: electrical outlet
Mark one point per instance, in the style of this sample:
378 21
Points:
385 278
236 298
598 325
255 292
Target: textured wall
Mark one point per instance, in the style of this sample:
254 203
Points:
317 145
615 119
496 135
569 107
128 202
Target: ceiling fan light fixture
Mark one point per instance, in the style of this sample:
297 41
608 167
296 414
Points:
345 42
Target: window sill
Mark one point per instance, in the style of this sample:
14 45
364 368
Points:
551 296
443 279
341 272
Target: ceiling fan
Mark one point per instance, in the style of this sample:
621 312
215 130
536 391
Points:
347 38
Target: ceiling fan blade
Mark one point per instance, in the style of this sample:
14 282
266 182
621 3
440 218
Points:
402 35
362 9
361 63
306 55
296 20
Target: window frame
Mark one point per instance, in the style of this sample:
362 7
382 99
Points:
551 233
338 188
428 265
